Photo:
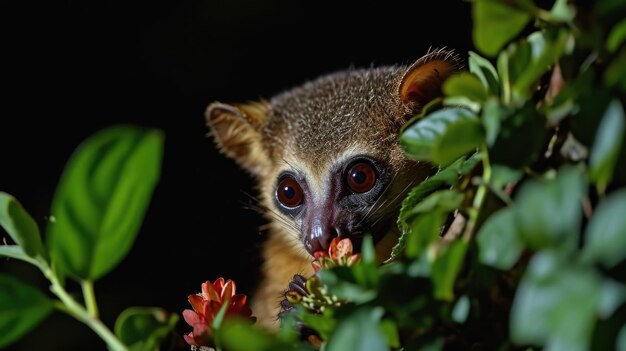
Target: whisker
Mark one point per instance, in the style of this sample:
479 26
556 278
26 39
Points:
262 209
394 204
377 200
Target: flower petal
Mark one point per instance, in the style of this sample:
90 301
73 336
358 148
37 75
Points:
209 292
316 265
190 340
191 317
202 335
218 284
237 303
318 254
353 259
344 248
197 302
229 291
332 251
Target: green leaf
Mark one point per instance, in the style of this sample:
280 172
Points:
498 241
520 138
620 342
345 283
390 332
237 334
617 36
144 328
368 251
424 230
502 175
20 226
443 136
324 325
461 309
492 116
359 331
14 251
545 49
562 11
444 200
615 73
555 304
605 234
446 267
612 295
496 23
22 307
549 213
607 145
101 199
465 84
446 176
484 70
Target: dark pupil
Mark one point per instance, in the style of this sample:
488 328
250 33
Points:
289 192
358 177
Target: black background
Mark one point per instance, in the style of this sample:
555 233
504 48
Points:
72 68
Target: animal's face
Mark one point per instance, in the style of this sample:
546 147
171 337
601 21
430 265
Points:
326 154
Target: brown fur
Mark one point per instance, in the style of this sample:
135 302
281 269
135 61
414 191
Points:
309 129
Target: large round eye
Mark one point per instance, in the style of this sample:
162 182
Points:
361 177
289 192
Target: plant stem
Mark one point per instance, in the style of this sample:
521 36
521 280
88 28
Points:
90 298
481 193
76 310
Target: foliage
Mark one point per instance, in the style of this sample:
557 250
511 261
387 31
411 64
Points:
96 214
530 147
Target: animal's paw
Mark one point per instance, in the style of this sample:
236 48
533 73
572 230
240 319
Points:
292 296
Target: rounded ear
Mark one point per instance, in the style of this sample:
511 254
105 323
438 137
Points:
236 131
422 81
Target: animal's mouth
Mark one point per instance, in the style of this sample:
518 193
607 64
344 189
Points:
378 231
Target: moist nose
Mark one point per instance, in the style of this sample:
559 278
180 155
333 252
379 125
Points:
319 238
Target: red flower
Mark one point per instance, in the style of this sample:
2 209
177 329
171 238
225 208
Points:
207 304
339 254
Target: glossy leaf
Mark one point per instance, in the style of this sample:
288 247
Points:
615 73
359 331
424 230
484 70
144 328
22 307
390 332
549 213
14 251
499 244
492 115
605 234
607 145
101 199
20 226
465 84
555 305
461 309
545 49
240 335
445 177
496 23
446 267
562 11
443 136
617 36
